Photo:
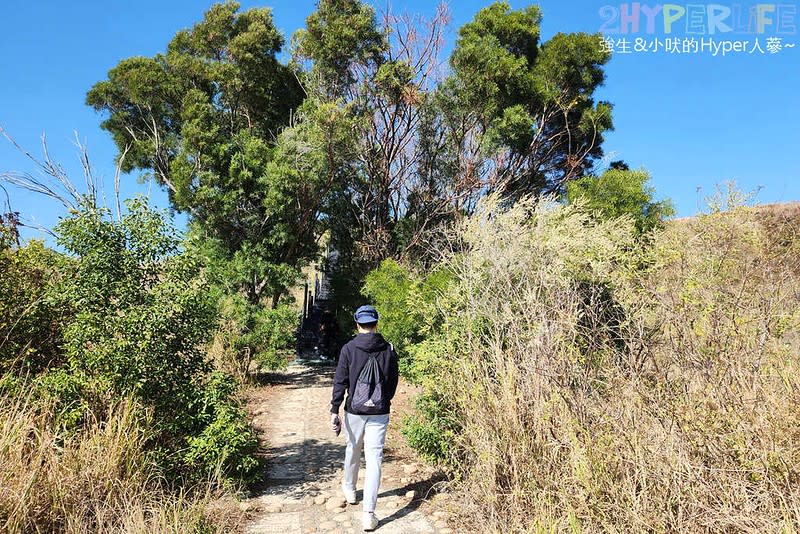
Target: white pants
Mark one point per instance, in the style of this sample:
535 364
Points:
366 432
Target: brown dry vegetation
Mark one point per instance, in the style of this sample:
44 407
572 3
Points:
599 386
97 480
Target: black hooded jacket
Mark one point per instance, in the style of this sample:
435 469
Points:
353 358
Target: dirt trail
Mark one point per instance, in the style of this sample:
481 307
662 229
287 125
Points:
301 493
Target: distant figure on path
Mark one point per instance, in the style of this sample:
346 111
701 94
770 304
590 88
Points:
329 335
368 372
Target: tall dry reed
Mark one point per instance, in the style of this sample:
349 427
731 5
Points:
97 480
605 387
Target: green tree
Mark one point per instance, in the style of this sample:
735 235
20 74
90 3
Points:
516 115
30 325
203 118
122 312
618 192
378 76
406 301
140 311
340 37
529 103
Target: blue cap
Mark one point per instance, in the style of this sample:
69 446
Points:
366 315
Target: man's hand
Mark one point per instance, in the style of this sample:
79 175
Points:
336 423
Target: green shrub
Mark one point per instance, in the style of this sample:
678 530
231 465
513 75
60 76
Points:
432 431
226 442
249 334
139 312
30 325
621 192
391 288
405 301
273 335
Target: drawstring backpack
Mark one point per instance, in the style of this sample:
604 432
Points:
368 394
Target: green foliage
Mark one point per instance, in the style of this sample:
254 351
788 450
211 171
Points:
30 325
315 157
139 312
379 155
140 309
318 153
263 335
390 288
534 100
203 118
216 80
432 431
245 332
227 441
273 335
502 45
339 35
405 302
9 231
622 192
395 80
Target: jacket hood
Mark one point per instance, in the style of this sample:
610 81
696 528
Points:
370 342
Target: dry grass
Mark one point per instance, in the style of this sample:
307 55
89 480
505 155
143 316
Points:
603 389
97 480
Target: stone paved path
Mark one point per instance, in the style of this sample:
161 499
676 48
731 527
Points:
302 491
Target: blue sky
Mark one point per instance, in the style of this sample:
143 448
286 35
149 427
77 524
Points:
693 120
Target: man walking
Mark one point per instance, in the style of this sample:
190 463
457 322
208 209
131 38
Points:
372 383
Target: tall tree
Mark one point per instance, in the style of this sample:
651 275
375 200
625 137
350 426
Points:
381 71
515 115
343 40
523 111
203 118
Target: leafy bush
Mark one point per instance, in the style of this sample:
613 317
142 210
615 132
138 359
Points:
273 335
621 192
30 326
137 312
432 431
597 386
249 330
249 333
226 442
392 287
405 301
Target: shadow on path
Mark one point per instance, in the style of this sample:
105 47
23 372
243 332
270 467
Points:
298 453
422 489
307 378
296 470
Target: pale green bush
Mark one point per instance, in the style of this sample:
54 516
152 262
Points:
406 303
